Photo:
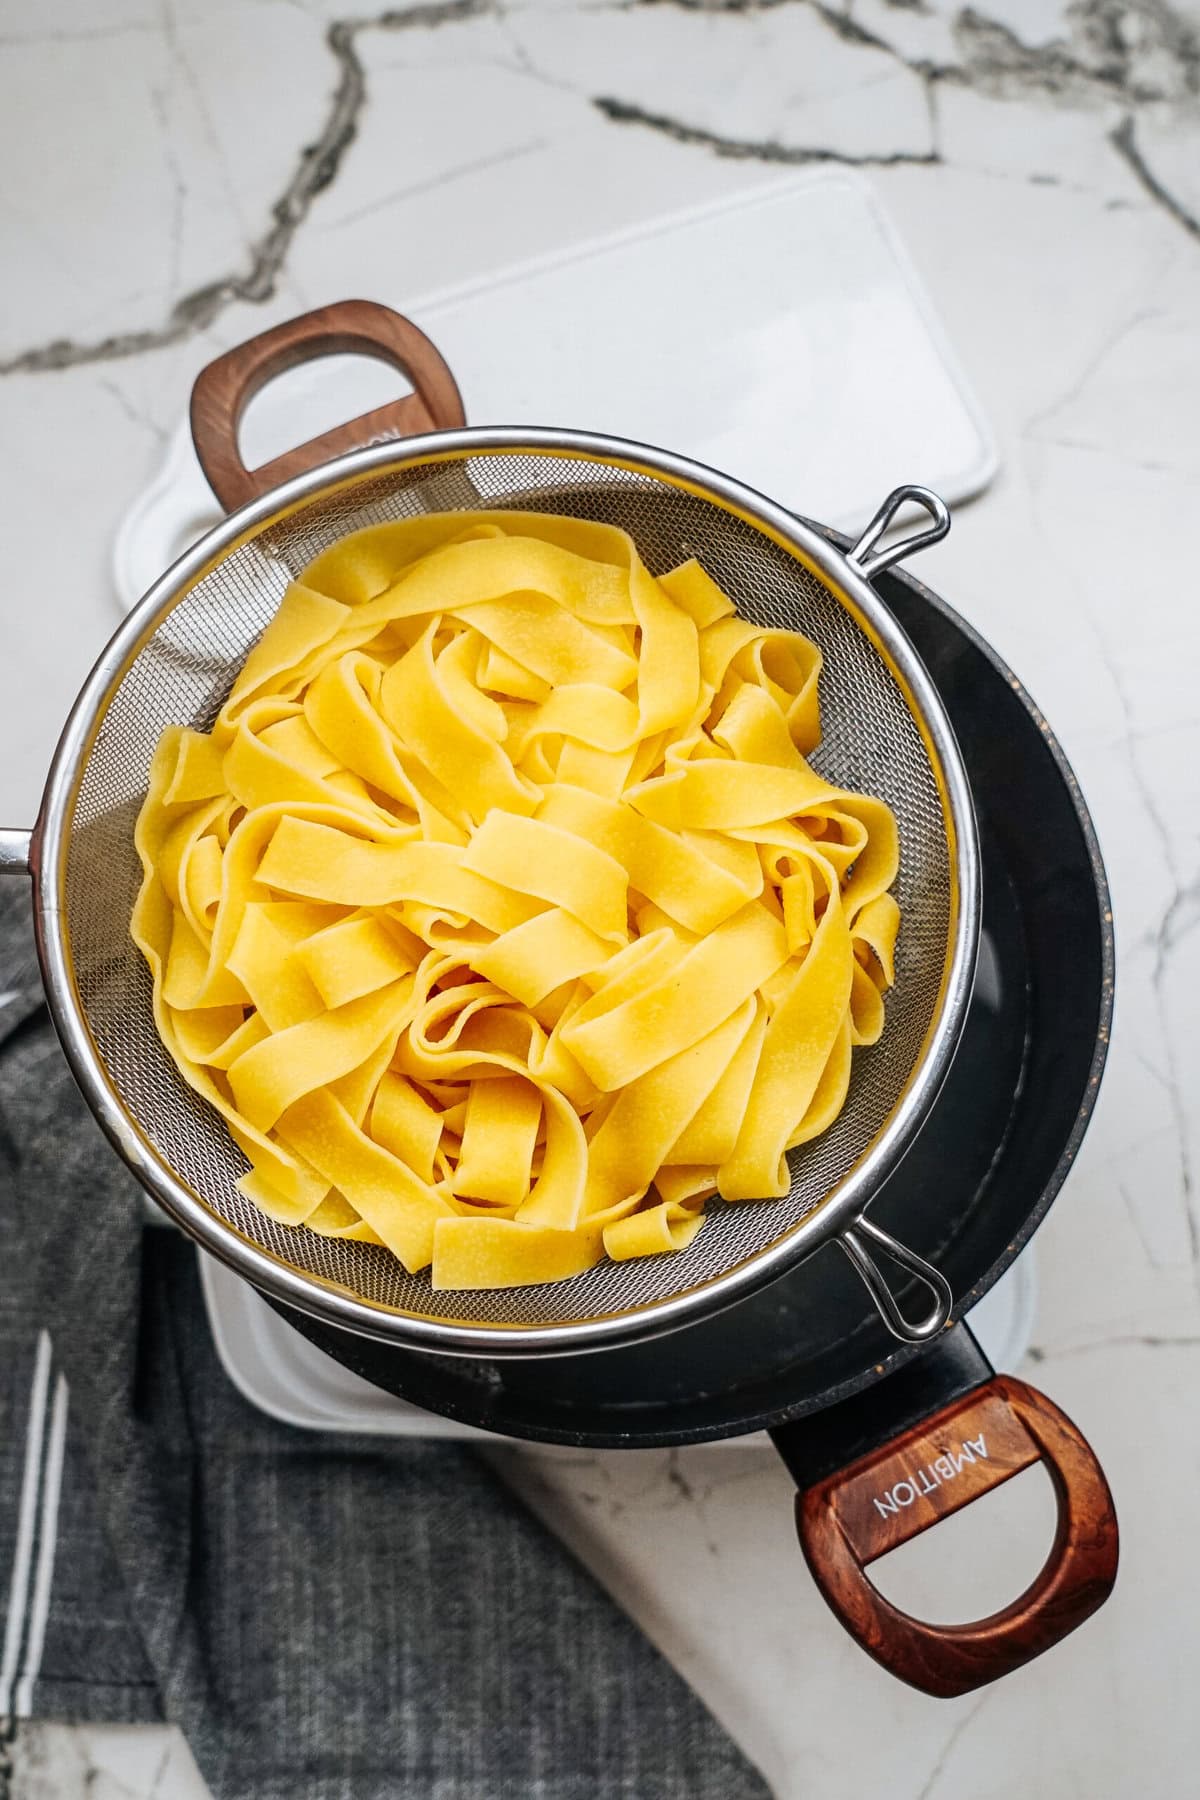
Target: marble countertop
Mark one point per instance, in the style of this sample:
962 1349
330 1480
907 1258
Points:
182 173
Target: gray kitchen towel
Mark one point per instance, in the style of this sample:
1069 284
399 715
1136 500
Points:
326 1618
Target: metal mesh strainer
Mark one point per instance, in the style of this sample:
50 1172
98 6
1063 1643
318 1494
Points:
884 732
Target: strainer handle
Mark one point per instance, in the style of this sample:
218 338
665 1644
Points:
224 389
923 1475
15 851
857 1241
869 565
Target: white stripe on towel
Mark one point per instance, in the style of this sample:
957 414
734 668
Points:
47 1544
18 1593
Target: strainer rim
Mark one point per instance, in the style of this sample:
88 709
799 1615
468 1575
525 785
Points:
847 1201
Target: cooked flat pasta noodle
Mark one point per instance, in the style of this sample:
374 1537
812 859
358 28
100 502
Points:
501 914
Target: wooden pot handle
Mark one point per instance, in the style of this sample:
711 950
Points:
977 1442
224 389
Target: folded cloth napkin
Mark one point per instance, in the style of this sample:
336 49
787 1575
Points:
326 1618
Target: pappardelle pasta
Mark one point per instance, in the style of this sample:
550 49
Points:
501 914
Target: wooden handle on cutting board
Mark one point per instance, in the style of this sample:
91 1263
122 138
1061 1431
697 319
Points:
977 1442
224 389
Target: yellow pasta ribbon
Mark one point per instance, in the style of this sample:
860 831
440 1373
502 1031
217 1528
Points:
499 1253
398 1206
530 857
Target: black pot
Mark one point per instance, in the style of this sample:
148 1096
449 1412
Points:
885 1439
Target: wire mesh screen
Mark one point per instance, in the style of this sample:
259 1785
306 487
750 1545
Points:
870 742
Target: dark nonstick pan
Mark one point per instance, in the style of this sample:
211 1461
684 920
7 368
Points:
884 1439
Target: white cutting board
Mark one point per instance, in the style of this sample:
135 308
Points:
782 337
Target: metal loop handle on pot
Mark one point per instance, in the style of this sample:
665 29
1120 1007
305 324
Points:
912 1331
225 388
869 566
940 1464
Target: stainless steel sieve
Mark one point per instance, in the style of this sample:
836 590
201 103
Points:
884 731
